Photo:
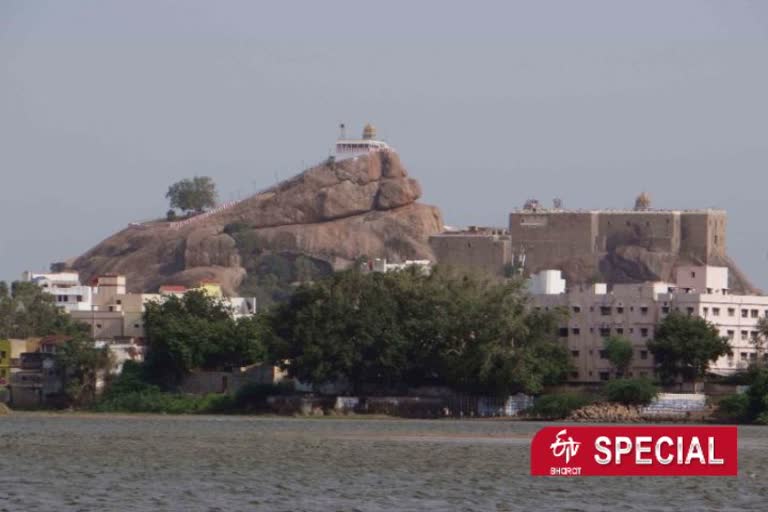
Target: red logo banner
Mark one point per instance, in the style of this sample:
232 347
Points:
635 451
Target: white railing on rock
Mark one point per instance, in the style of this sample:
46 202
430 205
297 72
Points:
181 223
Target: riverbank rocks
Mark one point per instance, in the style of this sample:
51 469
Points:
607 413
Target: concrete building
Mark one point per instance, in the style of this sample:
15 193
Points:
10 360
38 378
115 314
547 282
68 293
635 310
482 248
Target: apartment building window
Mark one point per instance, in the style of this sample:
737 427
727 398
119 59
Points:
689 310
744 335
754 313
665 310
605 310
753 334
706 311
743 356
744 313
752 356
98 326
715 311
605 375
605 332
574 375
563 332
574 353
603 354
731 335
766 313
119 302
643 355
619 330
731 311
79 298
643 310
575 331
136 326
620 310
644 332
577 309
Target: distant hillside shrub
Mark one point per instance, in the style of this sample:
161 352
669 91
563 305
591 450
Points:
733 409
558 406
630 391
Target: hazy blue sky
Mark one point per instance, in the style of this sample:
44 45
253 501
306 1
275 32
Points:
104 104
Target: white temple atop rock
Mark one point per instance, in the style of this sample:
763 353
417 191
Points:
350 148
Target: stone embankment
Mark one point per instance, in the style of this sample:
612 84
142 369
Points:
665 407
607 412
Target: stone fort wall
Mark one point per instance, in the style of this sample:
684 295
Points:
484 249
614 246
557 238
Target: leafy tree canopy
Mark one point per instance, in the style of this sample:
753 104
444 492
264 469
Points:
379 330
26 311
194 194
196 331
620 352
685 346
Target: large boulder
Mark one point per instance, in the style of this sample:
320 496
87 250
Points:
333 213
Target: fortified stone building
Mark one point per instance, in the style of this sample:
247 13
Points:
612 246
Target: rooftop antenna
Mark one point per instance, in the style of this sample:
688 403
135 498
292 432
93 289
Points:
342 131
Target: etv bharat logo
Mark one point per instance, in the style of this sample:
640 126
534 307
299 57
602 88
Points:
564 448
652 450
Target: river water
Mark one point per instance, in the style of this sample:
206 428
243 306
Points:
63 462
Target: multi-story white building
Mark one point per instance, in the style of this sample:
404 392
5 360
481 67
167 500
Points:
65 287
635 310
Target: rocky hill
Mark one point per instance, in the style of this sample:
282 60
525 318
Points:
318 221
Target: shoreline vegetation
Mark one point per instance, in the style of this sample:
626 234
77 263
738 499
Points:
369 336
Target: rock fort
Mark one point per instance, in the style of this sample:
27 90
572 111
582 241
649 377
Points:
320 220
613 246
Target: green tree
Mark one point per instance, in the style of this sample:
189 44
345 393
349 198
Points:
194 194
407 328
620 352
82 363
630 391
26 310
685 346
193 332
